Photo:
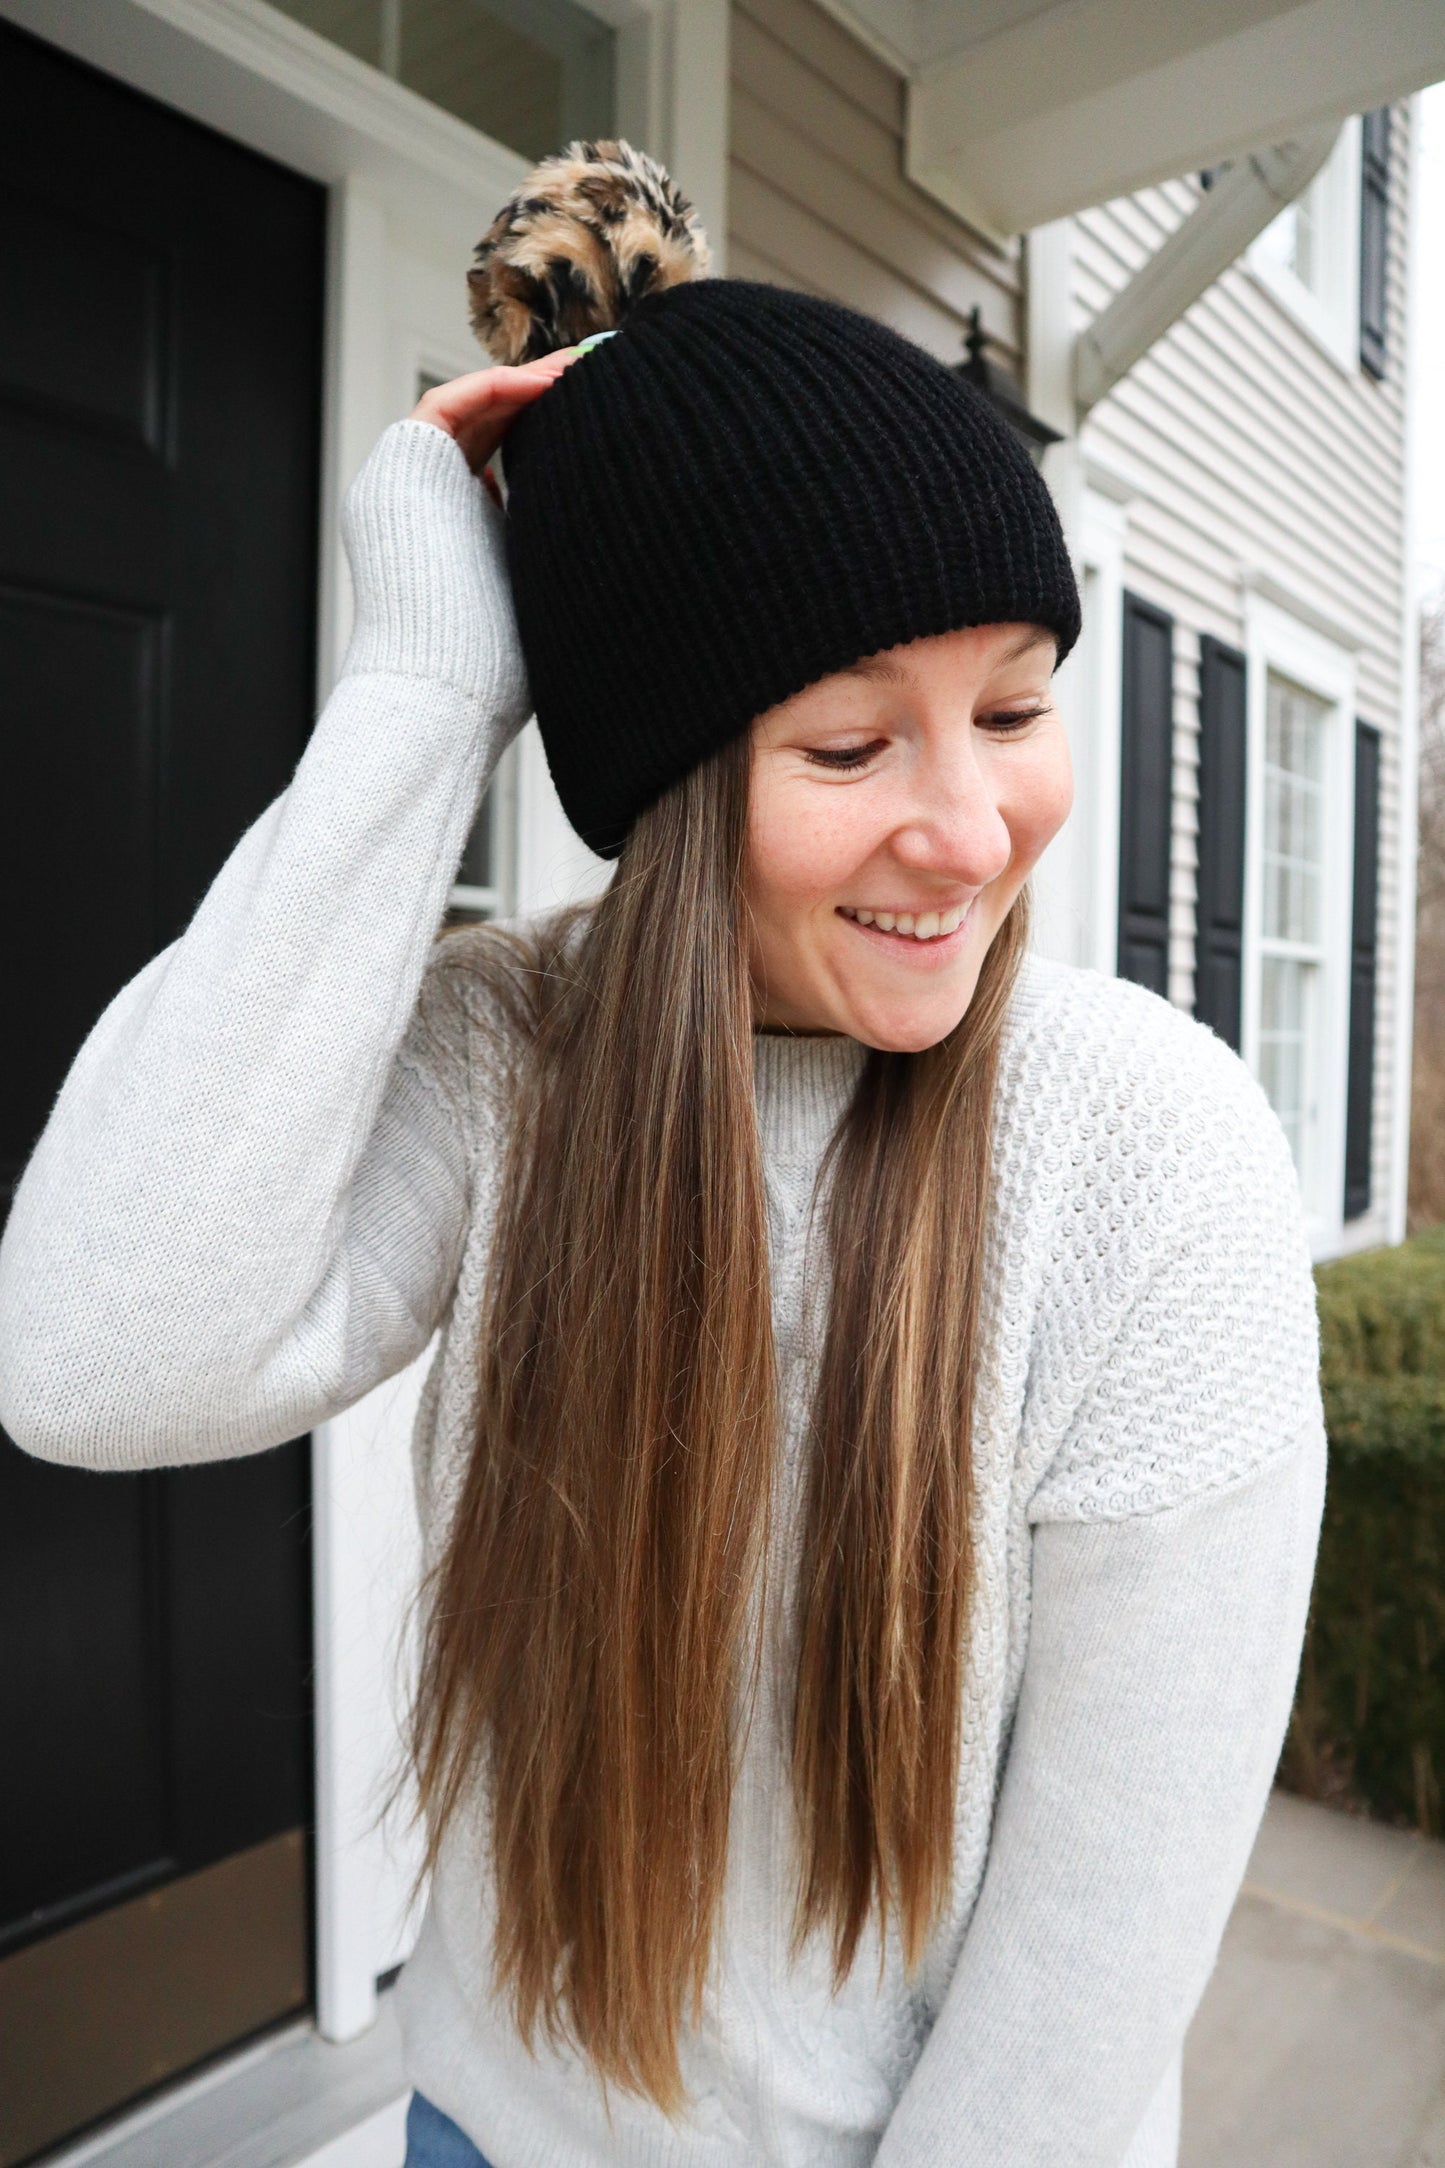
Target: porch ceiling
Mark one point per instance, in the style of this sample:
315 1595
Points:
1021 111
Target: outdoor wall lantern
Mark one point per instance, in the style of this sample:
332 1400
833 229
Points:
1002 392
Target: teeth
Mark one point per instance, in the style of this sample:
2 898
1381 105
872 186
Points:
922 926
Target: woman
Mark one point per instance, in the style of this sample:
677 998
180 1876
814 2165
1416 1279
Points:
872 1464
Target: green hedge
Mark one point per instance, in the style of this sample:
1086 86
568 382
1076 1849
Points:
1368 1729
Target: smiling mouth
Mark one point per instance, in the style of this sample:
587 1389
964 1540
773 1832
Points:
924 926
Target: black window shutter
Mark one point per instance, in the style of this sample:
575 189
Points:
1146 794
1374 238
1219 916
1360 1102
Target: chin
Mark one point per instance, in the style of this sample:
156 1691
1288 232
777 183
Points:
906 1032
910 1019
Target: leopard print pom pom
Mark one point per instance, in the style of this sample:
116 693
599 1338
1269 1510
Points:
584 236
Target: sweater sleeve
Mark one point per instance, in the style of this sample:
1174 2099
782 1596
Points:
248 1204
1172 1551
1162 1657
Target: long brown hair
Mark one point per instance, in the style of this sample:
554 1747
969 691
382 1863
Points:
591 1636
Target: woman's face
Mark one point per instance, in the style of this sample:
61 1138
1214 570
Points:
896 810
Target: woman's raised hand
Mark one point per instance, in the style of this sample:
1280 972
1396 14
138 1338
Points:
479 408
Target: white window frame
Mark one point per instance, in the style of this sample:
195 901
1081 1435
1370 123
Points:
1278 642
1330 311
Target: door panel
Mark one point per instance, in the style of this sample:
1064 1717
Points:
83 679
75 277
160 384
85 1806
236 1594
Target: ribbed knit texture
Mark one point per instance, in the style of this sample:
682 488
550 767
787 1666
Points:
449 619
272 1175
746 489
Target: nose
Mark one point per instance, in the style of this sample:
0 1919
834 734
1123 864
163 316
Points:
954 826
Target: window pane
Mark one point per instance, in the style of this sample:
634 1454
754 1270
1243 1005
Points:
533 74
1293 813
530 73
1312 837
1285 994
354 25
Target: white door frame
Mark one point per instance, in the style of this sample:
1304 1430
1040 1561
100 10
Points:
411 188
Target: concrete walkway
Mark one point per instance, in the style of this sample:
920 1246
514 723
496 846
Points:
1320 2042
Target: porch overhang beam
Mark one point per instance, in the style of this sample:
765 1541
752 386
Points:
1086 100
1215 234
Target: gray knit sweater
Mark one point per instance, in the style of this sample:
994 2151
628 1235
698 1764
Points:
270 1179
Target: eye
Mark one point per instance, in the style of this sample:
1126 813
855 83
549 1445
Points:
1006 720
848 756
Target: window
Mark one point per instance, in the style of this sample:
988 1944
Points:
1292 954
1297 895
529 73
1309 257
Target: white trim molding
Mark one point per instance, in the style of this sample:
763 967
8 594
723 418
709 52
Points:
1048 331
1303 608
1076 885
1103 539
689 106
1279 644
1407 811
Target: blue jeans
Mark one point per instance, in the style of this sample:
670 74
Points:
433 2140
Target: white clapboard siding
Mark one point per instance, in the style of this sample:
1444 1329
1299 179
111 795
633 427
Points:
816 193
1247 447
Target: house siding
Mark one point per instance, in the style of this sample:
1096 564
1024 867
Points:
1248 449
817 197
1244 447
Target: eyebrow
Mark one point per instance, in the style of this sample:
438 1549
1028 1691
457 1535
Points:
879 669
1032 636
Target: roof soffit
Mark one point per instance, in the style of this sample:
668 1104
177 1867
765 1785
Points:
1023 111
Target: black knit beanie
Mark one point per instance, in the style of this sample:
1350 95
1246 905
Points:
743 490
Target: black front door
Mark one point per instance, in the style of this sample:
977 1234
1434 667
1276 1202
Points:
160 391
